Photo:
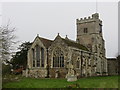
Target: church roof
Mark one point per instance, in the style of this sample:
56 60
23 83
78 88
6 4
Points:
74 44
69 42
46 42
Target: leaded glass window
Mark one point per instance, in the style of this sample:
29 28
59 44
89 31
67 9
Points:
42 57
38 55
33 53
58 58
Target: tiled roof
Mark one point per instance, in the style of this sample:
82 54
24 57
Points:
74 44
69 42
46 42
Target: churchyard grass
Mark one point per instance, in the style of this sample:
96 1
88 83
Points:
90 82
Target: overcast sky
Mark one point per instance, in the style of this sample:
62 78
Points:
48 19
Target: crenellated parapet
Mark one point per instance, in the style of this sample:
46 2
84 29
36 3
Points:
93 18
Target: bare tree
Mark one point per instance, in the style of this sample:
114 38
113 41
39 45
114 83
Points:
6 42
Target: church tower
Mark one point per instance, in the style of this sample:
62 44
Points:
89 33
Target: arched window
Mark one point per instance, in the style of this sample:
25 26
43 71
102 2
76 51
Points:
42 57
100 28
33 53
78 63
37 55
58 58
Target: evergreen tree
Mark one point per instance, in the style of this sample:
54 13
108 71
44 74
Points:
20 58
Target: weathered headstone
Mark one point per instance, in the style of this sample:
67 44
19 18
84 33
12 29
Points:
26 72
71 78
56 74
71 73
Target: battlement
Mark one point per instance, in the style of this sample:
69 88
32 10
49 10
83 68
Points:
88 19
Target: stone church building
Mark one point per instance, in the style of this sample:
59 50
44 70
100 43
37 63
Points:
85 56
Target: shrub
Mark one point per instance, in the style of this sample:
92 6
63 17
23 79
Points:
6 69
73 86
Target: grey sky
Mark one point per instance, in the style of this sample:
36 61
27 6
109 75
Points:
47 19
119 27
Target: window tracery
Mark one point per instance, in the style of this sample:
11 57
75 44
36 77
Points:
38 56
58 58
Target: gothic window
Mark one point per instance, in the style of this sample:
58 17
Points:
42 57
58 58
85 30
33 53
78 63
100 28
38 55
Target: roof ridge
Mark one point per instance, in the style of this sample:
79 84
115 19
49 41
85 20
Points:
45 38
71 40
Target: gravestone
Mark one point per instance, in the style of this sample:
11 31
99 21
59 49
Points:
26 72
56 73
71 73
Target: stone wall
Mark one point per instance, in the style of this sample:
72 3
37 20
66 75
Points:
112 66
87 62
37 73
60 71
58 43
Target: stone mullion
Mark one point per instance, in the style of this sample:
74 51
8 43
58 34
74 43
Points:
55 61
58 61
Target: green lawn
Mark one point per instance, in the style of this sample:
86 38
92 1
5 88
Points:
91 82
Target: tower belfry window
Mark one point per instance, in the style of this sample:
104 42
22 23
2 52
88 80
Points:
78 63
100 28
85 30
